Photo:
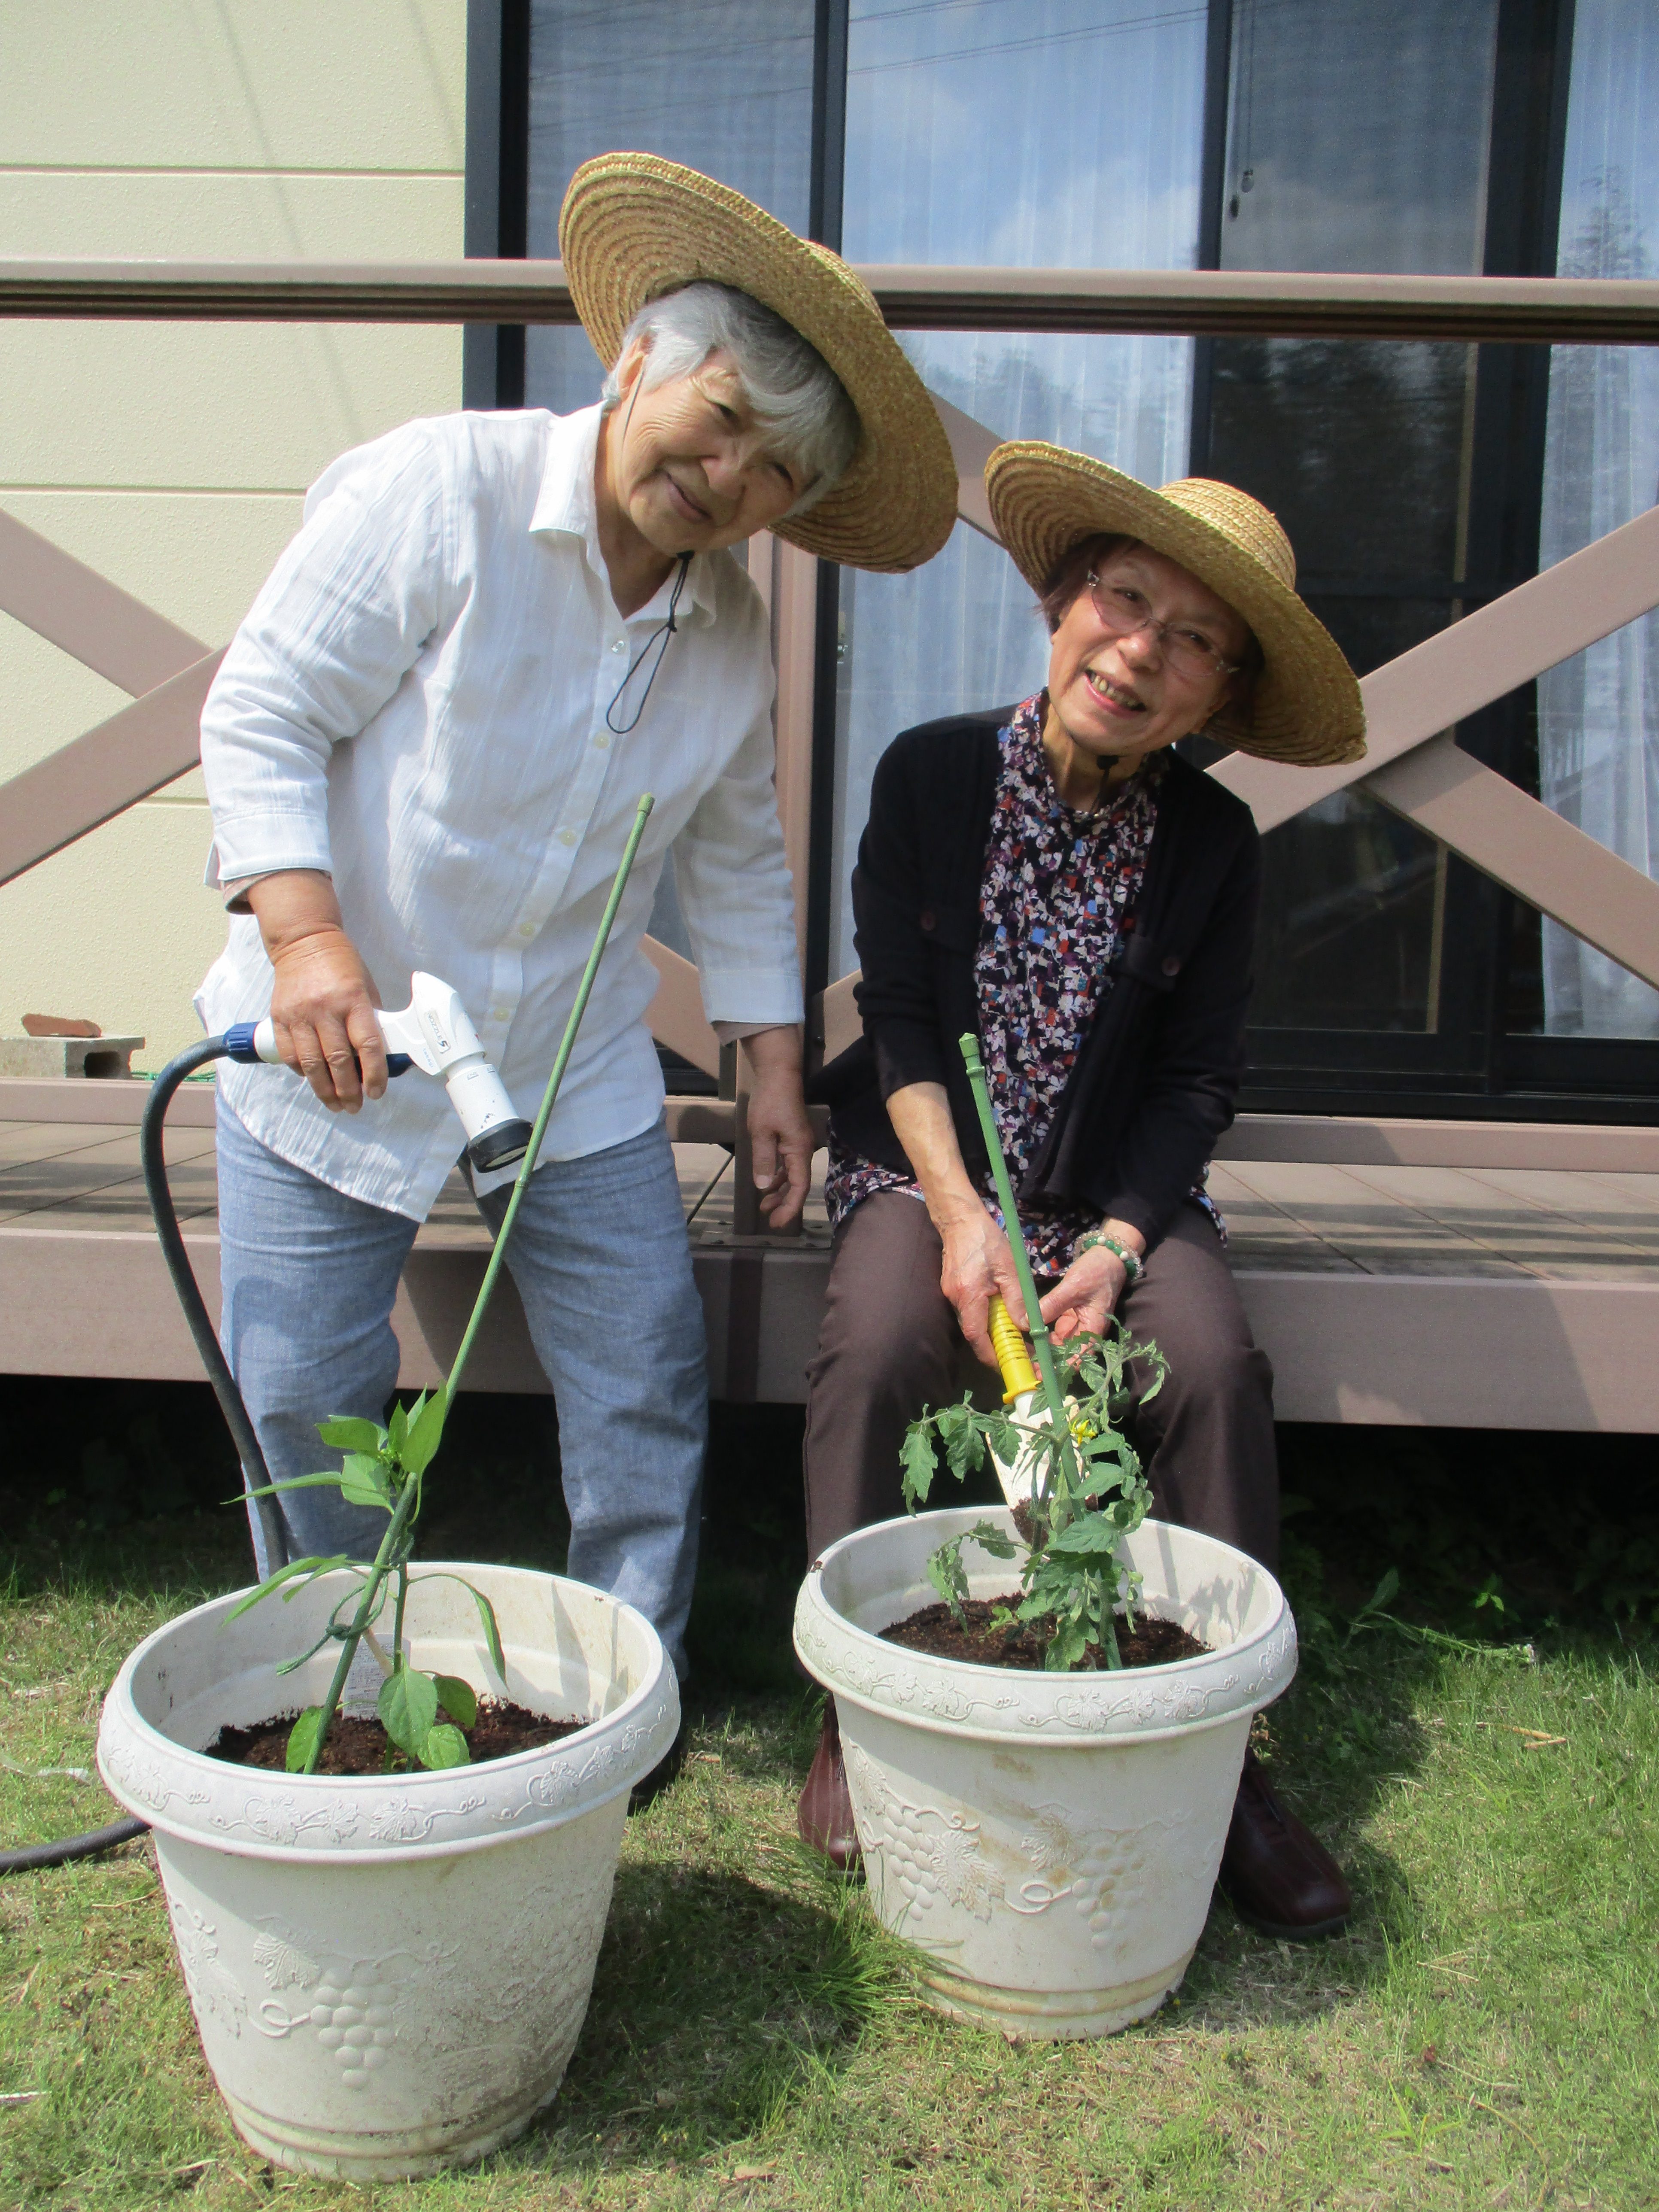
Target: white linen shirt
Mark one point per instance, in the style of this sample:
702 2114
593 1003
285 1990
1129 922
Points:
416 704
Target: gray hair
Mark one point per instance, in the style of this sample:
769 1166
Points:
788 383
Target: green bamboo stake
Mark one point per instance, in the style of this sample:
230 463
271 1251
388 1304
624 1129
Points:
1040 1343
567 1044
386 1558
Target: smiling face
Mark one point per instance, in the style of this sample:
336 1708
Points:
688 465
1117 693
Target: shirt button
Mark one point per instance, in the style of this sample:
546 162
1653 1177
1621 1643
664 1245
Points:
602 742
567 836
500 1013
526 929
619 645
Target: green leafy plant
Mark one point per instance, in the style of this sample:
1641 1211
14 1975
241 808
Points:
1087 1488
423 1714
1088 1493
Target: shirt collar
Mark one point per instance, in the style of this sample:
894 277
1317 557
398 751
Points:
565 508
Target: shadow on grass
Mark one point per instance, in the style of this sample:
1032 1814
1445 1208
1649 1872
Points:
715 2001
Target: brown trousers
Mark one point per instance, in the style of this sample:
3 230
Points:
890 1345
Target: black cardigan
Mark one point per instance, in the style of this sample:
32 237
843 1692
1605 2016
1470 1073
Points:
1159 1068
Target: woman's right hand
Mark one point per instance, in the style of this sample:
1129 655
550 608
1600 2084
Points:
977 1262
323 1001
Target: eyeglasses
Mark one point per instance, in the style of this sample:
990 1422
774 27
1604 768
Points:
1123 610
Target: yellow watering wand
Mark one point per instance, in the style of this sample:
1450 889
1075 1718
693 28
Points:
1013 1354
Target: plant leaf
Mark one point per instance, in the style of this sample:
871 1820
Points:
486 1614
948 1577
398 1426
958 1432
289 1482
408 1705
364 1480
990 1538
346 1432
426 1429
300 1738
307 1567
459 1699
1089 1533
919 1462
444 1747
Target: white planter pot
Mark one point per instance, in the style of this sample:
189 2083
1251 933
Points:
1049 1842
389 1974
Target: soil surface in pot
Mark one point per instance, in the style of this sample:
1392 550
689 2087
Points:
357 1744
930 1629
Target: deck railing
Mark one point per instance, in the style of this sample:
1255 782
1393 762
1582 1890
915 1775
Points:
1413 704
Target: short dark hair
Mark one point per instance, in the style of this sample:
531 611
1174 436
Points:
1070 573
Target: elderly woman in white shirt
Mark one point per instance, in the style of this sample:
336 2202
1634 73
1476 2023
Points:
423 751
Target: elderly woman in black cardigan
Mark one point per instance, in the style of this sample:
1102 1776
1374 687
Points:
1056 878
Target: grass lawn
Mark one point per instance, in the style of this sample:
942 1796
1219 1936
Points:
1487 2034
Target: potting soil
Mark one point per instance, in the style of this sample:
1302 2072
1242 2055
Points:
357 1743
1153 1642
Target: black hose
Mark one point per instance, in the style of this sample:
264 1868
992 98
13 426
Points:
72 1847
255 1474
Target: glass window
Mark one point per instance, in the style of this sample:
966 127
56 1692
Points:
1358 139
964 147
1598 714
724 86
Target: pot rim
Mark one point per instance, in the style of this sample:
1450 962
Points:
1102 1705
400 1810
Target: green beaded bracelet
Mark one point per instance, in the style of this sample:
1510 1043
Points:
1134 1268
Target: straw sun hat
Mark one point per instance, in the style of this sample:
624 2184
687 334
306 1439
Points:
634 227
1306 707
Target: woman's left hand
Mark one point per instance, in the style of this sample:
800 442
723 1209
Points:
1084 1298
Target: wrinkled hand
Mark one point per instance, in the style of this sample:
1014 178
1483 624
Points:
322 1009
780 1133
1084 1298
977 1261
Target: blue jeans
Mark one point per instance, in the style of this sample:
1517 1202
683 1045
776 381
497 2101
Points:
603 1272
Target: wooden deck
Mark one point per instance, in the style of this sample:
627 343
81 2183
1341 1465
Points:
1453 1274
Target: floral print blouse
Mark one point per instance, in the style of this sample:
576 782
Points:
1057 894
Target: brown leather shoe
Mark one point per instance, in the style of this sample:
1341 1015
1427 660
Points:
1275 1872
824 1815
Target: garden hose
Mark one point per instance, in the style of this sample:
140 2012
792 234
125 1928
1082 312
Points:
255 1474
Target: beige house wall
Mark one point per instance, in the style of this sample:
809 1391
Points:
173 458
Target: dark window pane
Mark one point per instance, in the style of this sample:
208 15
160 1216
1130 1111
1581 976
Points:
1357 134
1356 447
724 86
1356 140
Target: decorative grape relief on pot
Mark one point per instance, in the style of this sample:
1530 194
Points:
351 2003
930 1853
213 1989
144 1779
900 1687
1103 1871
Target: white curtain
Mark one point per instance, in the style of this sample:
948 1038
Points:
1031 133
1598 716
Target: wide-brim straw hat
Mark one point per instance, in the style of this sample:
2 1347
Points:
634 227
1305 706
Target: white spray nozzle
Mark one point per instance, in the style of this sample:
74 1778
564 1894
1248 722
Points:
434 1032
